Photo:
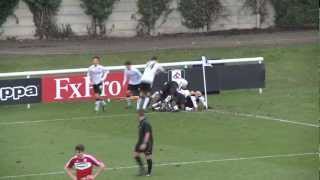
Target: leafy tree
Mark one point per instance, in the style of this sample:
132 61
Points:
43 16
99 10
200 13
7 9
151 10
296 13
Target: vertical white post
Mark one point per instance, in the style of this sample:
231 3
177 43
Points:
260 89
28 105
204 62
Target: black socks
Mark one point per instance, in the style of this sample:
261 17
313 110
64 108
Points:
149 162
139 161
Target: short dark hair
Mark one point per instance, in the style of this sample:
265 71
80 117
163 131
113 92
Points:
153 58
96 57
79 148
127 63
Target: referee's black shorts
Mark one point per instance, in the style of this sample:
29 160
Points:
134 89
147 151
97 88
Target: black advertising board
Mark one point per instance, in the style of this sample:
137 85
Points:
245 76
220 77
20 91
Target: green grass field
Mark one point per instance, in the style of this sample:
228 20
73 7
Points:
280 144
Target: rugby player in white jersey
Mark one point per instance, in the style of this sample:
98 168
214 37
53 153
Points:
151 70
133 76
97 75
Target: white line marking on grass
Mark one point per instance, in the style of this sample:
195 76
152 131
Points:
133 114
265 118
68 119
176 164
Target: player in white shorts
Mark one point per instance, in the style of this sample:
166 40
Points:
133 76
151 70
97 75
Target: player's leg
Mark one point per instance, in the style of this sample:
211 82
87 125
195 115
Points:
140 99
141 94
137 158
149 163
144 98
102 102
132 93
201 99
97 97
148 156
139 103
99 100
129 94
190 103
143 102
181 101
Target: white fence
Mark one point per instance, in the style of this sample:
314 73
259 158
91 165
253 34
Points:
171 64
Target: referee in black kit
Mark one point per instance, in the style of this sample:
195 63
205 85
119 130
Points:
144 145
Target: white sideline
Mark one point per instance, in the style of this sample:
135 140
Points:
67 119
265 118
130 114
175 164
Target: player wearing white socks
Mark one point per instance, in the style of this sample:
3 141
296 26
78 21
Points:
152 68
97 75
133 76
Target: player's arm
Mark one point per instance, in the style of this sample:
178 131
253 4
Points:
101 167
194 102
146 138
89 76
125 77
139 73
160 68
69 171
105 74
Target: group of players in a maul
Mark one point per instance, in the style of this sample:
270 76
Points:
172 97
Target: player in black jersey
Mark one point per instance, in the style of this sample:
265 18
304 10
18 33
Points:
144 145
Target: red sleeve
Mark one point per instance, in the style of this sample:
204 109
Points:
94 161
70 163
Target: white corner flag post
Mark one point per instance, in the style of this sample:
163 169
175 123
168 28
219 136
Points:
28 105
204 65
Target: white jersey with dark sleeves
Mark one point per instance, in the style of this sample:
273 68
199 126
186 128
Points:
132 75
97 73
150 71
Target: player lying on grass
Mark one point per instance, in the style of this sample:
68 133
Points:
133 76
83 164
195 101
151 70
97 75
175 96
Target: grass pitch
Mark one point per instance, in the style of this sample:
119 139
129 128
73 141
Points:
36 143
